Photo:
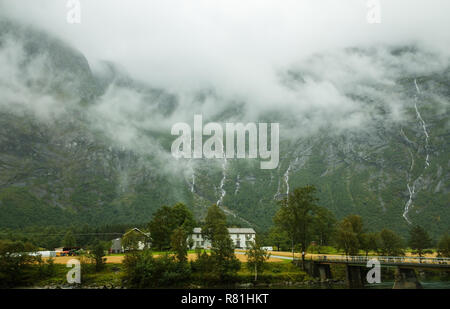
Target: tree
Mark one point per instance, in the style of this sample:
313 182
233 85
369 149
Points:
256 257
356 223
222 248
15 263
97 254
69 240
347 238
444 246
369 242
391 243
165 220
279 237
349 235
419 239
143 270
215 222
296 217
179 245
324 226
183 218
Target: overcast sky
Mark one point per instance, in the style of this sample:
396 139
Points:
236 45
242 49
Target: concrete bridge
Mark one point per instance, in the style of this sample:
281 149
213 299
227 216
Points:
356 268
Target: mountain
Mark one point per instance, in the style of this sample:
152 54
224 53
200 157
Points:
79 145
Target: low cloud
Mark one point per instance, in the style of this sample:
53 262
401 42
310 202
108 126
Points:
307 64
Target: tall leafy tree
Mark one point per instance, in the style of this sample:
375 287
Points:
97 254
222 248
349 234
215 222
179 244
444 246
164 222
391 243
324 226
256 257
356 223
296 216
278 237
69 240
419 239
346 238
15 264
161 227
369 242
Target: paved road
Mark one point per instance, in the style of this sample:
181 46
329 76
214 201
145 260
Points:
384 260
271 255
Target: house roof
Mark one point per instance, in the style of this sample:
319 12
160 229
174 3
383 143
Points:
231 230
137 230
241 231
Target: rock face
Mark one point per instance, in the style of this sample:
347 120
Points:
62 68
68 152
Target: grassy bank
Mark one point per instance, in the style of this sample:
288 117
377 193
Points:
276 273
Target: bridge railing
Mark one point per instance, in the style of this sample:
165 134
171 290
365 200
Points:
381 259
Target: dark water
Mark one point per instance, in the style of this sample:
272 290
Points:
384 285
425 285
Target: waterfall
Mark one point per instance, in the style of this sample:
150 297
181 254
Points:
222 181
412 188
238 184
193 182
424 126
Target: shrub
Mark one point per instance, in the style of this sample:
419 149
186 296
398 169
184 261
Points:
15 264
142 270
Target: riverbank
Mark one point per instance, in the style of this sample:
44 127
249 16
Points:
276 275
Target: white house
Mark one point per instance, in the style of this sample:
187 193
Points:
117 246
241 238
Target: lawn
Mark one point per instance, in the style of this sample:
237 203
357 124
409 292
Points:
118 258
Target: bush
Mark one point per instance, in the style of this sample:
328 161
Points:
142 270
97 254
16 266
46 269
203 263
214 269
444 246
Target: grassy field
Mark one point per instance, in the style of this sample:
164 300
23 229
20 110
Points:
118 258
